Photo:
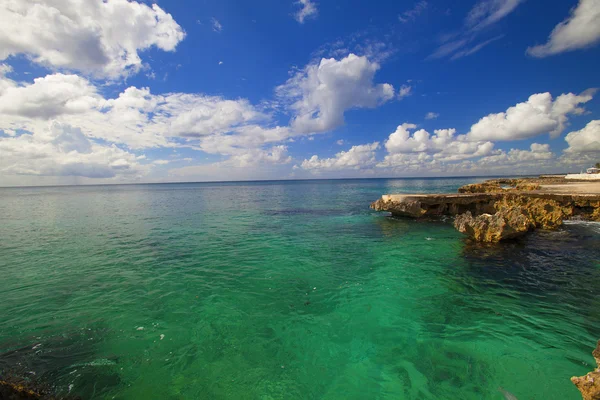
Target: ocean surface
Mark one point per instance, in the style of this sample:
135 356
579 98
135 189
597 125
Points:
285 290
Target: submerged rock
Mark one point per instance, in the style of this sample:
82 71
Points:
589 385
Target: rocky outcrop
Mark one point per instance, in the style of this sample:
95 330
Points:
436 205
589 385
496 210
500 186
517 214
507 223
481 188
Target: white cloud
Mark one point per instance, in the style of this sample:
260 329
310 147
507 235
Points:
135 118
308 10
443 145
474 49
407 162
538 159
62 150
538 115
242 139
483 14
586 140
321 93
340 142
580 30
103 38
48 96
488 12
216 25
404 91
538 152
5 69
358 157
431 115
274 155
413 13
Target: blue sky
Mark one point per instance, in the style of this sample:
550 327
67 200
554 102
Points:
127 91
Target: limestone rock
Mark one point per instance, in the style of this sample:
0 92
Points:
544 213
410 208
527 186
486 187
589 385
500 185
507 223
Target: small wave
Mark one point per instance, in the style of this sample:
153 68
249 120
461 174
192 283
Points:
101 362
592 225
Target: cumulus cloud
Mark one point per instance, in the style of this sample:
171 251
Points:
321 93
580 30
48 96
443 145
62 150
308 9
102 38
274 155
537 152
539 114
358 157
586 140
431 115
136 117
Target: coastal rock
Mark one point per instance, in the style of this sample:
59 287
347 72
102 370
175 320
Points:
507 223
543 212
501 208
589 384
433 205
410 208
500 185
480 188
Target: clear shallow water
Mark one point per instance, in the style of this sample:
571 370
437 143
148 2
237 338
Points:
285 290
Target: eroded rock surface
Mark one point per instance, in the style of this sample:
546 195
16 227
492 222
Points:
497 209
500 186
507 223
589 384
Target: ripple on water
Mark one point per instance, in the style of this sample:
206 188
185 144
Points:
288 290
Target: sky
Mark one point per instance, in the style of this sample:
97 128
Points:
118 91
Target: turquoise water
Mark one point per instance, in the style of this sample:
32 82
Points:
285 290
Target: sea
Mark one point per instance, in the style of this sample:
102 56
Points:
285 290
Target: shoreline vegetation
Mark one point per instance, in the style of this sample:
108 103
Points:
502 209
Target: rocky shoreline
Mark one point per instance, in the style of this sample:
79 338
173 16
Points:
501 209
589 384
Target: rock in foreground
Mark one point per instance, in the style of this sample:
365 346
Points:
589 385
507 223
